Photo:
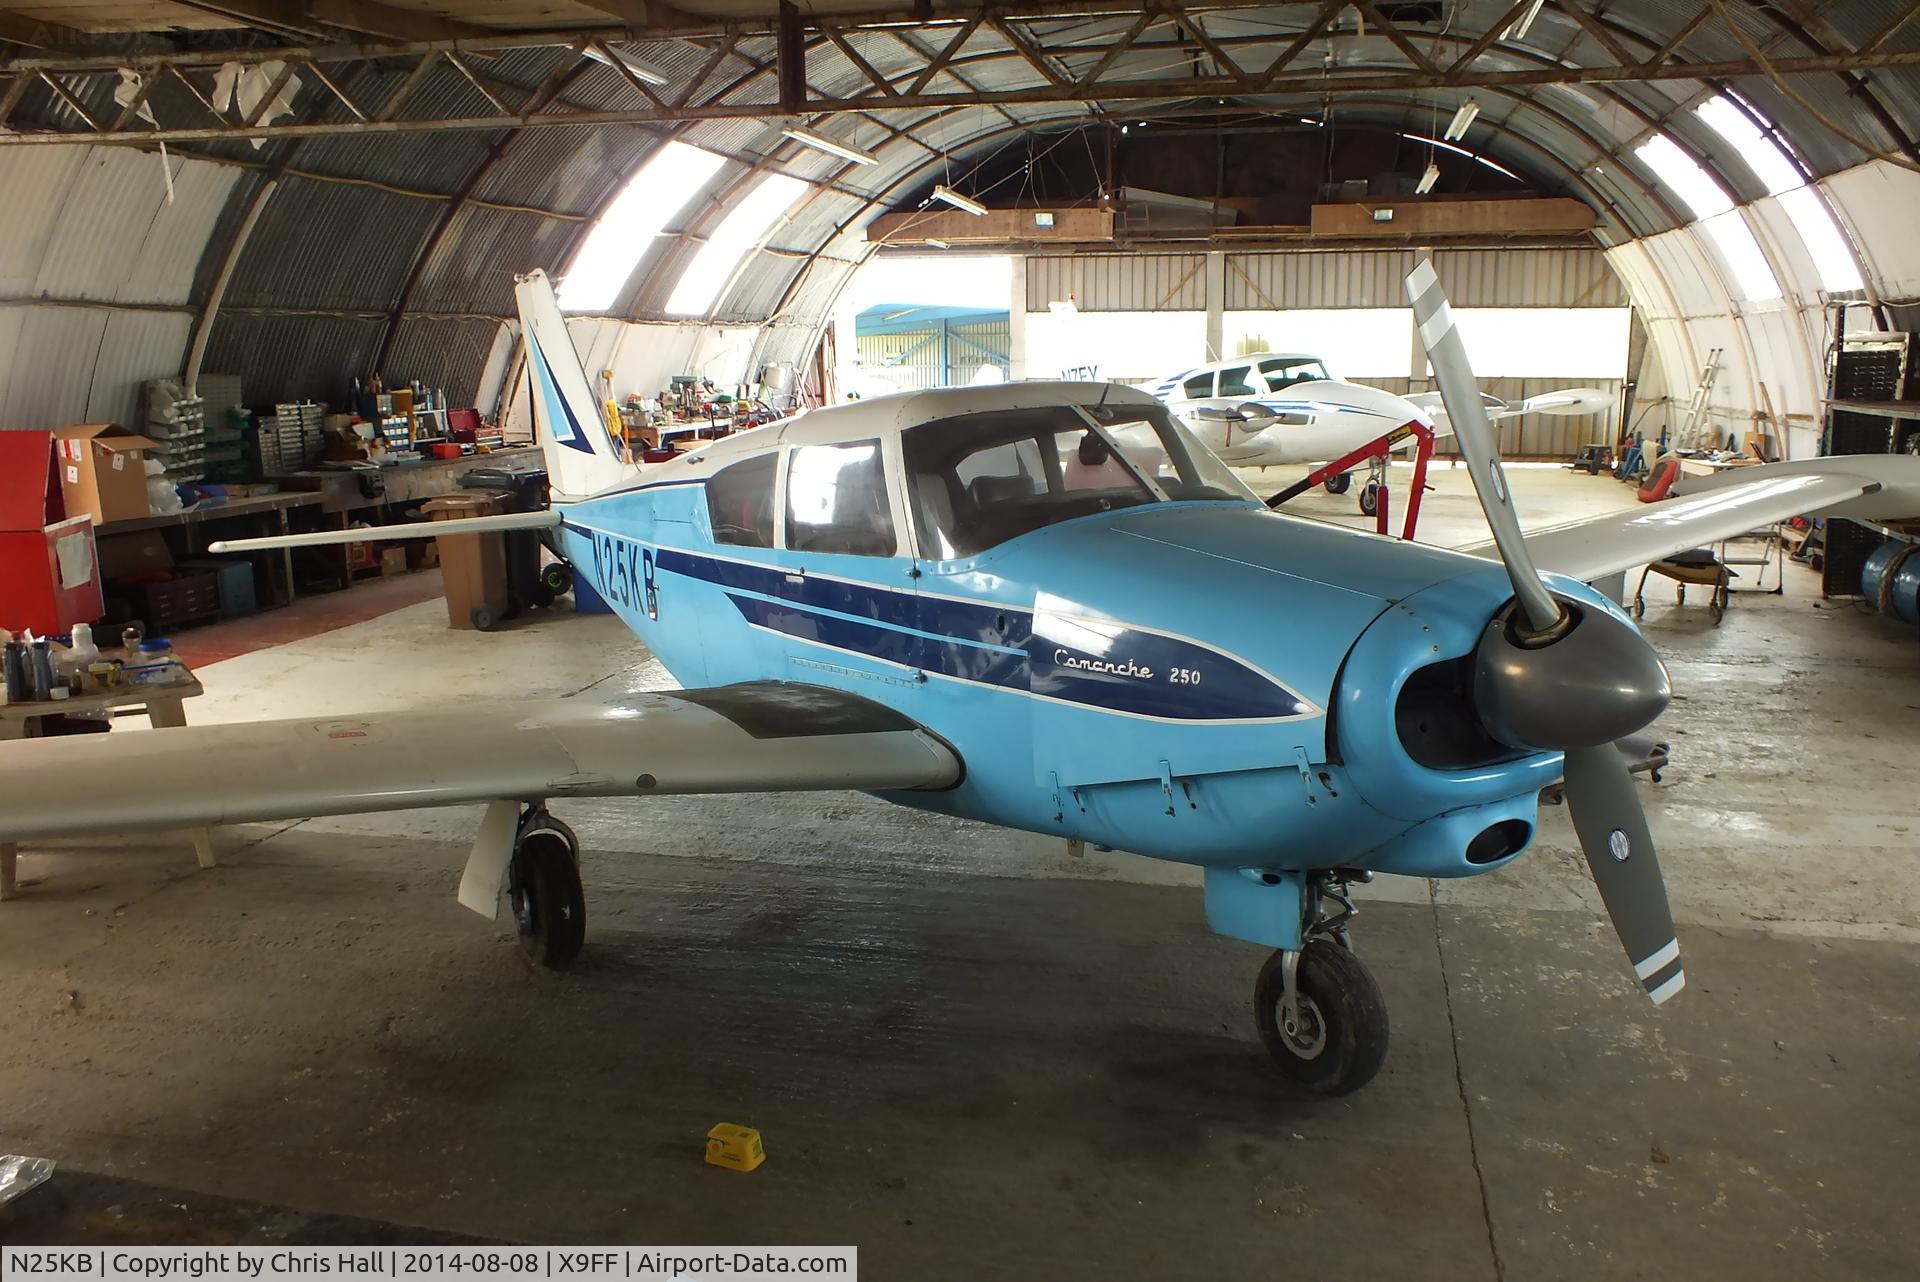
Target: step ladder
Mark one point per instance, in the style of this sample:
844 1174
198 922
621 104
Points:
1691 438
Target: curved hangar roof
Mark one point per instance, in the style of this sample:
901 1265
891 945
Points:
383 168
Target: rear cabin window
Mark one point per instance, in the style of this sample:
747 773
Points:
740 502
837 500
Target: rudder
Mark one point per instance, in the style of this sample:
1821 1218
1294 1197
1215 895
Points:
582 458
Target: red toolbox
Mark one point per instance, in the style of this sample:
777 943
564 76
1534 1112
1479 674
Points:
51 578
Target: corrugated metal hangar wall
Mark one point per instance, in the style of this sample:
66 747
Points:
308 259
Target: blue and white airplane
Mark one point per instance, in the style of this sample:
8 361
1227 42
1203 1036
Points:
1040 605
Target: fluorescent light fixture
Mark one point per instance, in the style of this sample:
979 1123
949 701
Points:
1518 31
1428 179
1463 118
937 244
738 234
820 142
954 198
658 190
640 70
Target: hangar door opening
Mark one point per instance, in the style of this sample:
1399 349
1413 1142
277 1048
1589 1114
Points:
925 320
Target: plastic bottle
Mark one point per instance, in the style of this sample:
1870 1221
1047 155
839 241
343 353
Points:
84 652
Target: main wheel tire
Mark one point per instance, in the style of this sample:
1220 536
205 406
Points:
1370 498
558 578
1339 484
549 904
1340 1040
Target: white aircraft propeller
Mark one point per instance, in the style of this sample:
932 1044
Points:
1555 674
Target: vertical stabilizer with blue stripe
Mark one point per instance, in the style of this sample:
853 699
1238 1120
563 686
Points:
582 459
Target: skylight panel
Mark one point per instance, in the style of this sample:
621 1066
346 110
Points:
1734 239
738 234
657 191
1769 164
1690 182
1833 259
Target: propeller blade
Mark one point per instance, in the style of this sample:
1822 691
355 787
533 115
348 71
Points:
1613 834
1460 391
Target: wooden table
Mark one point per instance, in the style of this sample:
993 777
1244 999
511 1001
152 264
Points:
162 704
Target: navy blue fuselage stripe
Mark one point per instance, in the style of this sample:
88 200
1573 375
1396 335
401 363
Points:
1134 671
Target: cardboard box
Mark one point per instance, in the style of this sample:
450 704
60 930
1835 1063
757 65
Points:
103 471
393 561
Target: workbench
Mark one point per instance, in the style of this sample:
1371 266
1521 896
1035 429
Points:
341 489
162 704
266 512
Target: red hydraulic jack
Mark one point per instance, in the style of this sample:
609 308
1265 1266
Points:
1382 449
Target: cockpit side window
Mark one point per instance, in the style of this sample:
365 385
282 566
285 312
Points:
740 502
1285 371
837 500
1233 382
1199 387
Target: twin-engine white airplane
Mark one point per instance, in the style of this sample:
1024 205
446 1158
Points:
1044 606
1270 409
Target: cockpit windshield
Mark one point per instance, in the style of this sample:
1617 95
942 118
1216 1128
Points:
978 480
1285 371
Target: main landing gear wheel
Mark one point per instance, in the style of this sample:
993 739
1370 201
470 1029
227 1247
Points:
543 885
1332 1036
1339 484
1370 498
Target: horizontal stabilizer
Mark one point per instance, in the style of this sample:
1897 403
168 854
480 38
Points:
544 520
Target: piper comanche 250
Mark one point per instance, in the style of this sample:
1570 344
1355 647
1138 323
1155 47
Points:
1040 605
1271 409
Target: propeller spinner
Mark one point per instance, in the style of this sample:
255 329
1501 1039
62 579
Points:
1554 674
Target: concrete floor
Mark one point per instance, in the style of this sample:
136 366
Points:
972 1054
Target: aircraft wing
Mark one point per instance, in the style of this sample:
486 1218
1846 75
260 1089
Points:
1569 402
758 737
1879 487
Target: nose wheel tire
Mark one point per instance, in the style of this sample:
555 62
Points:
1339 484
1335 1038
1370 498
549 903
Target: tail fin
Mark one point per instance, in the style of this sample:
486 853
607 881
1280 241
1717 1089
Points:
582 458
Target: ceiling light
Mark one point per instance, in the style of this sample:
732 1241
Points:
1427 180
1463 118
954 198
937 244
1518 31
846 151
608 54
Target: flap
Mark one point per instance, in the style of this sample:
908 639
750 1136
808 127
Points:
756 737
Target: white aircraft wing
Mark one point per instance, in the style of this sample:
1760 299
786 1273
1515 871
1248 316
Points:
757 737
1569 402
1879 487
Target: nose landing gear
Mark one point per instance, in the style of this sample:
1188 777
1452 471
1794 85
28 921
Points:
1319 1010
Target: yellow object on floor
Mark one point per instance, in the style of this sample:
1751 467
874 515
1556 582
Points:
737 1148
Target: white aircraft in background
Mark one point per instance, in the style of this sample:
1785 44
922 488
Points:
1267 409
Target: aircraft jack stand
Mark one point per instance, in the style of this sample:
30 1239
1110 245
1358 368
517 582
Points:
543 886
1373 495
1319 1010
